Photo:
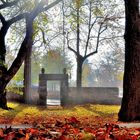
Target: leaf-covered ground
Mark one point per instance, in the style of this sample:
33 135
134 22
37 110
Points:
88 122
25 114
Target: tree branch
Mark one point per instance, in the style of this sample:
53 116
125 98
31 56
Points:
28 37
90 26
89 29
22 51
17 18
2 19
94 22
100 31
72 50
8 4
69 45
39 8
113 37
92 53
43 35
2 1
51 5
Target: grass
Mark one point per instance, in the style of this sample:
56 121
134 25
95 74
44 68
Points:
22 113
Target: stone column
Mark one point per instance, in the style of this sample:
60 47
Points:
42 88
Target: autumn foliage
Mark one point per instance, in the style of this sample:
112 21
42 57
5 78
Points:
71 129
88 122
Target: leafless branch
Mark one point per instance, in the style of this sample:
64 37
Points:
113 37
17 18
94 22
92 53
2 19
51 5
2 1
8 4
43 35
90 26
100 31
89 30
68 44
103 29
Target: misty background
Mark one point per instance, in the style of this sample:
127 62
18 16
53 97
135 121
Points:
56 31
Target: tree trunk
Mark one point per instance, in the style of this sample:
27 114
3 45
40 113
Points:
27 71
3 100
79 60
27 76
130 108
3 68
7 75
79 72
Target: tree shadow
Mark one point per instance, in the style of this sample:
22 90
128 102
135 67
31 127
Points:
9 115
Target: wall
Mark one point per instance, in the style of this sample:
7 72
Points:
95 95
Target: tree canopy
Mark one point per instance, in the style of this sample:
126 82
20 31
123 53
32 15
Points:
11 12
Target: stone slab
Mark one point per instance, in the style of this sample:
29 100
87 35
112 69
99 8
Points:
14 126
129 125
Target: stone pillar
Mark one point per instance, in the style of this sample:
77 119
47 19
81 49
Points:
42 88
64 71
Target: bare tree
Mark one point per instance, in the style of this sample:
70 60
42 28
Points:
88 36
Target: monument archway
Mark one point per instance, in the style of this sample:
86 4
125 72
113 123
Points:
43 78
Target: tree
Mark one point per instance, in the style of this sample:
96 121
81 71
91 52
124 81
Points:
130 108
6 74
111 67
27 74
88 25
38 28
